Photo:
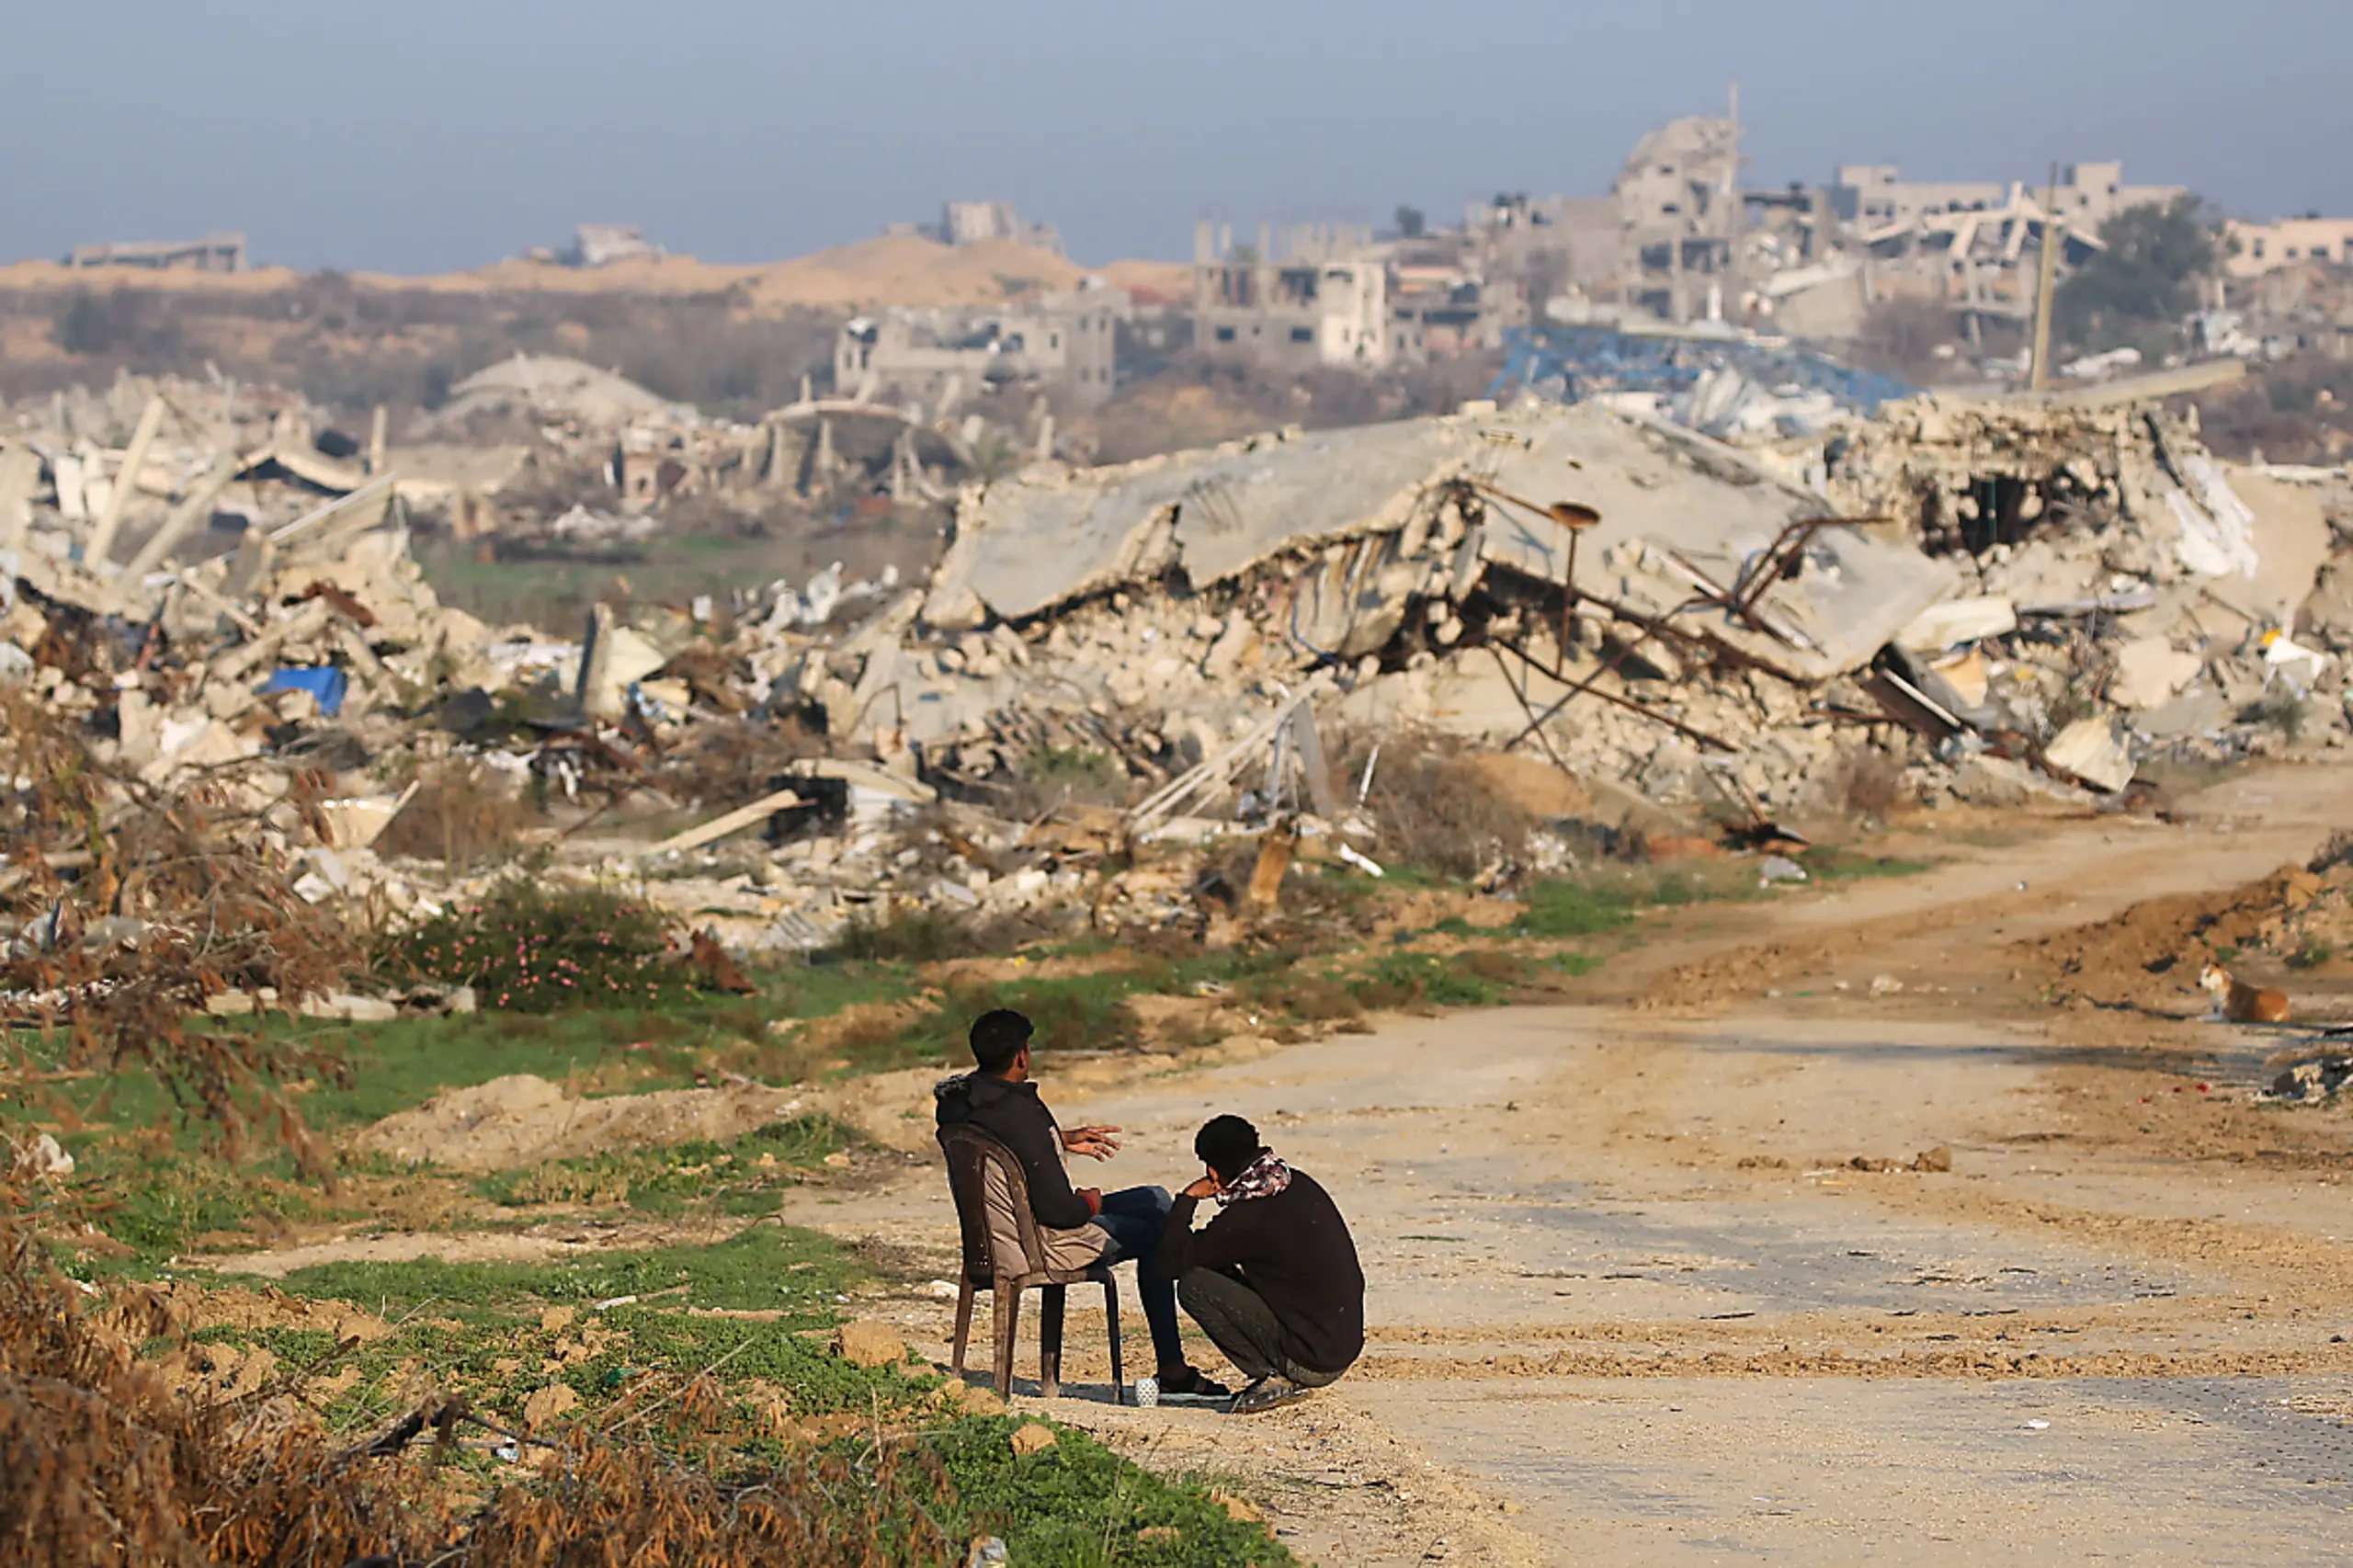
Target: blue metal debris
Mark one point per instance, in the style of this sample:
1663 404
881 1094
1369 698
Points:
1569 364
325 682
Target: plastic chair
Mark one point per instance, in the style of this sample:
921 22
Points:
970 1152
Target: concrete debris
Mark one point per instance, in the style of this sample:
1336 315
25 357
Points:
2097 750
2151 672
2319 1079
2007 601
42 1156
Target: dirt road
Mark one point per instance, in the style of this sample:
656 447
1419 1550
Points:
1632 1300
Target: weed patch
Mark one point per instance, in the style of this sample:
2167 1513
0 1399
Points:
527 949
1469 979
1827 863
1573 909
764 1266
748 1176
1077 1503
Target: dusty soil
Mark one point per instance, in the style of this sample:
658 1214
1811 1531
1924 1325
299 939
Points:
1923 1220
1655 1278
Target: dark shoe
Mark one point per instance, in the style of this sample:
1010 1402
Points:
1267 1392
1190 1386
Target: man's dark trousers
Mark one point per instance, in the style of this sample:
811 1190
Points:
1133 1218
1239 1323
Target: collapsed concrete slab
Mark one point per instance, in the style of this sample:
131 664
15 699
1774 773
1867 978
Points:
1678 517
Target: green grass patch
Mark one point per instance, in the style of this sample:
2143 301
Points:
1077 1505
747 1175
1829 863
1564 908
1458 980
163 1208
764 1266
475 1330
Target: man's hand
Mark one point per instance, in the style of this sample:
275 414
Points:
1095 1143
1202 1189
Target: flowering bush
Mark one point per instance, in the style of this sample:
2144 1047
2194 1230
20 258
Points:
527 949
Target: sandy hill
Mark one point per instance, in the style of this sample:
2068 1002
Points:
893 269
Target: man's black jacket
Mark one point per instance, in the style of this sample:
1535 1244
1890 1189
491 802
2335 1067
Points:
1294 1250
1016 1118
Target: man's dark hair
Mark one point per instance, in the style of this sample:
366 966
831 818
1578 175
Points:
1227 1144
999 1036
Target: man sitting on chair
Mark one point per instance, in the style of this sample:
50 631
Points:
1274 1279
1082 1226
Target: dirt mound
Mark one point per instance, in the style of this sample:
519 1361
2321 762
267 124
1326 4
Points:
1720 979
1423 908
2150 955
443 1246
185 1307
1532 784
520 1120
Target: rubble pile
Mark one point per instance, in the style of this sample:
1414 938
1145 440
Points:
2038 593
2004 598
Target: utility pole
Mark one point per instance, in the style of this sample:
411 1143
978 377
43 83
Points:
2039 372
1735 215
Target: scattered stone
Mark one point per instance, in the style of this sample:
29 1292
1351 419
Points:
549 1403
44 1156
977 1399
1238 1507
555 1319
2319 1079
1937 1159
864 1344
1033 1437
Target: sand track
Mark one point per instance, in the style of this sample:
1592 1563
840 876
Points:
1633 1303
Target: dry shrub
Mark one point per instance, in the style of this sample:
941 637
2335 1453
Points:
1052 777
103 1465
1868 782
181 897
1310 998
729 765
525 947
903 934
463 814
1431 804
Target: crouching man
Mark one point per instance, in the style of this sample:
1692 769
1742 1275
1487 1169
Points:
1079 1227
1273 1280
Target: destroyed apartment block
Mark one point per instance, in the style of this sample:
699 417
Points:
1065 344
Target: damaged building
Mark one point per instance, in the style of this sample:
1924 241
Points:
1317 294
212 253
1065 344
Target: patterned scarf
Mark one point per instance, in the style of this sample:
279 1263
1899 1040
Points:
1262 1178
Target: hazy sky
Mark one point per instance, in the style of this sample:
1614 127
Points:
413 135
